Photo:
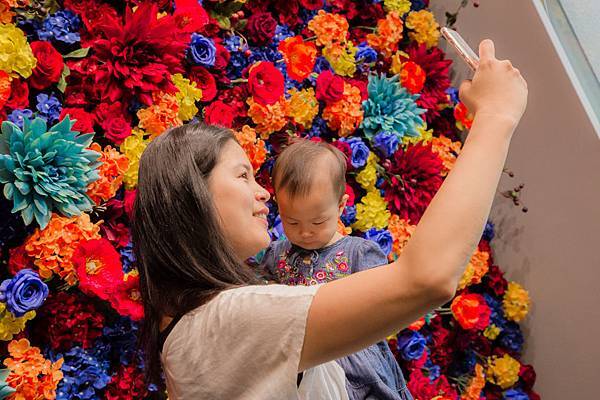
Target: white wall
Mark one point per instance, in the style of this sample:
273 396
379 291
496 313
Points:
554 249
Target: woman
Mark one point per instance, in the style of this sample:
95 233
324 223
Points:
199 213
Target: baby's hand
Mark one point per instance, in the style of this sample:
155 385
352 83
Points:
497 87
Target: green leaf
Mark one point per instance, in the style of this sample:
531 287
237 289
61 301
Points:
223 20
62 83
79 53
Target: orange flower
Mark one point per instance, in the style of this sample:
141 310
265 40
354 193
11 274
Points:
253 146
412 77
388 34
329 28
5 87
53 247
269 118
473 391
299 57
471 311
343 229
463 119
447 150
31 375
114 165
161 115
415 326
346 114
476 269
401 231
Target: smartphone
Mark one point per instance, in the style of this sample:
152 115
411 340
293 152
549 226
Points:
463 49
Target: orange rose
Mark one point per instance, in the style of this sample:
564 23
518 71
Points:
299 56
471 311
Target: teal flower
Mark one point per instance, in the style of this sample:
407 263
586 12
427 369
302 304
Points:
390 108
5 390
46 169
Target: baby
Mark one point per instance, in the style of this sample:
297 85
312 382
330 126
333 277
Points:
310 185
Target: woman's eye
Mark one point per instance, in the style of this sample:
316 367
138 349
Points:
244 175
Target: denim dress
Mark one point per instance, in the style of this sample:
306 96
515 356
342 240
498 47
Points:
371 373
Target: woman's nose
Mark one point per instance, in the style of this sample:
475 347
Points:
262 194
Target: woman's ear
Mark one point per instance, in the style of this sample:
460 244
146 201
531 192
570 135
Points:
342 204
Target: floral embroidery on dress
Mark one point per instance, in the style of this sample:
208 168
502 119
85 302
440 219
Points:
305 268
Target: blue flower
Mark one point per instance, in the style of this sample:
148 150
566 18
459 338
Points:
360 152
17 116
282 32
417 5
234 43
411 344
511 337
118 343
349 215
365 54
84 374
488 232
46 169
497 314
453 93
515 394
390 108
321 65
63 26
237 62
382 237
24 292
127 257
49 107
434 370
319 128
202 50
386 142
276 230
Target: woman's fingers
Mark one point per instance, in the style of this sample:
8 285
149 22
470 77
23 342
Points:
487 50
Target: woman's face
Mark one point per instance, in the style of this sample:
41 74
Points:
240 201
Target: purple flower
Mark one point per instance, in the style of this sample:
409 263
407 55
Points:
202 50
411 344
382 237
360 152
24 292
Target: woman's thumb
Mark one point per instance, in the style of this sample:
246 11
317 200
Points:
464 88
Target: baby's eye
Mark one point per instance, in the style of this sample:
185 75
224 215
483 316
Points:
319 223
293 223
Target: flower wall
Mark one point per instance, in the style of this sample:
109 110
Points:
86 85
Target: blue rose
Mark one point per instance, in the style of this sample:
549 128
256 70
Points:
349 215
365 53
24 292
386 143
202 50
411 344
360 152
515 394
382 237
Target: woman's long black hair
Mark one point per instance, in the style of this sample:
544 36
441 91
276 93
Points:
182 255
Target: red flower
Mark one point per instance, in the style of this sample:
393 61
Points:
471 311
351 196
219 113
128 202
190 16
98 267
66 320
128 299
81 88
205 81
437 81
299 56
128 383
421 387
361 84
19 95
528 376
222 57
5 88
18 260
330 87
414 178
312 4
114 227
265 82
261 27
116 129
85 120
49 65
138 57
495 280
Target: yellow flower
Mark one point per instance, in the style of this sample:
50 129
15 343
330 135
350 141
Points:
371 212
367 177
503 371
425 135
15 53
476 269
187 97
304 106
11 325
132 147
516 302
492 332
328 28
341 58
425 28
400 6
473 391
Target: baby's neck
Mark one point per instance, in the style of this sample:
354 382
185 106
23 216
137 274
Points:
335 238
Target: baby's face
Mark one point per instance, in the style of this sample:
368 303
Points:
311 221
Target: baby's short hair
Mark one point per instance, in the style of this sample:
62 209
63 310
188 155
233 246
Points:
295 169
